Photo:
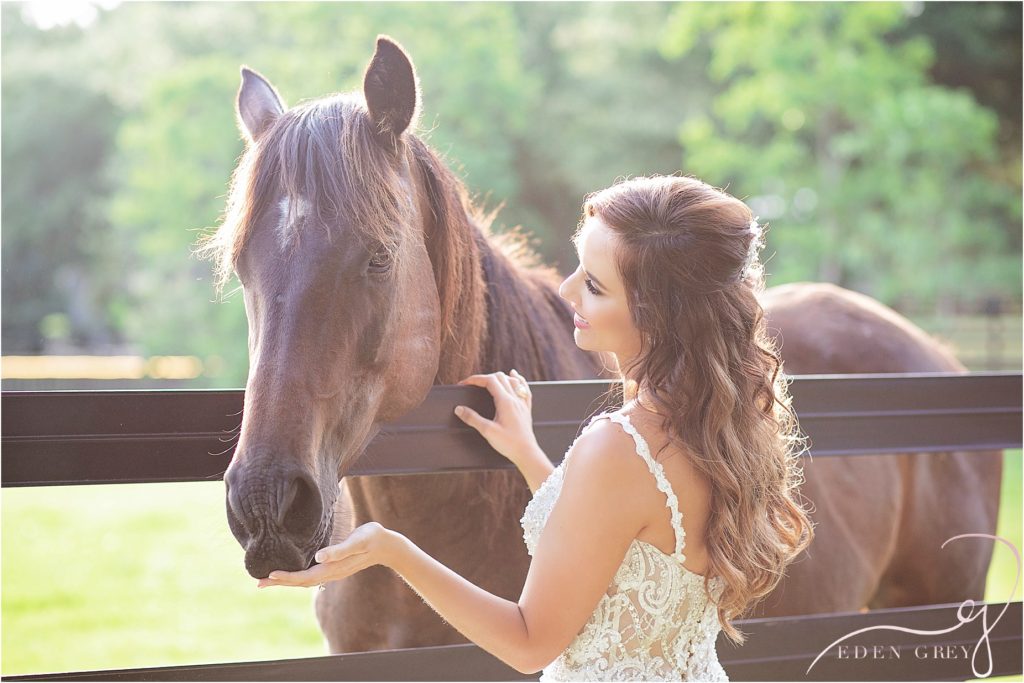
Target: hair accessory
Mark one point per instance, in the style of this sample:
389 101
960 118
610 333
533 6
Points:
755 245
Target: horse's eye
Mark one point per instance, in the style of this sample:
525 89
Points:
381 261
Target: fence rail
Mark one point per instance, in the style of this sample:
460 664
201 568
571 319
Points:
102 437
778 649
119 437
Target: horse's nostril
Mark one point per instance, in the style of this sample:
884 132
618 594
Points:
289 491
234 504
300 509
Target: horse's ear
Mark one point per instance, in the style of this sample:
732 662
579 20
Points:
258 104
391 90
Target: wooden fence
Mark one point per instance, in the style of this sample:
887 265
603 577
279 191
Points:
103 437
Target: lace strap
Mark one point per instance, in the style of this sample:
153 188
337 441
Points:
597 417
659 475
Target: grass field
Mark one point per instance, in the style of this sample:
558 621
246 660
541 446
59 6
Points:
102 577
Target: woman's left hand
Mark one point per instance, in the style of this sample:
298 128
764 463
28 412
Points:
367 546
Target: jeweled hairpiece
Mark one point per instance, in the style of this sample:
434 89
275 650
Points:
754 247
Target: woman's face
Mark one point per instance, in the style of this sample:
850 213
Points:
598 296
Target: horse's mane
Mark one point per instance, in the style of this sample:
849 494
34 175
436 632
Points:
492 283
498 302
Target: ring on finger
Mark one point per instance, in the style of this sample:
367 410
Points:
522 390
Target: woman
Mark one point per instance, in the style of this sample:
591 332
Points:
702 449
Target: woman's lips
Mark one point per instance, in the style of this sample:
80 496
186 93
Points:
579 322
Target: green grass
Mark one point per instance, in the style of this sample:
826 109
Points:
99 577
1003 570
104 577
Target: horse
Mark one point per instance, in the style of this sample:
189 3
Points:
369 276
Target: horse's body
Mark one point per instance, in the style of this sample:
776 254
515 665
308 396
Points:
368 279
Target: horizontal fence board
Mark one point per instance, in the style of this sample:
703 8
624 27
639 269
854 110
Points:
777 649
104 437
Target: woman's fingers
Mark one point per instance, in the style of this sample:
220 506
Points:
336 553
355 553
355 544
493 381
321 573
489 382
521 383
505 381
501 388
308 577
497 384
474 419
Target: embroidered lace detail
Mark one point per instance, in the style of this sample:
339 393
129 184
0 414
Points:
655 622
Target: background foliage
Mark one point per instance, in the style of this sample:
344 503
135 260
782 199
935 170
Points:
879 141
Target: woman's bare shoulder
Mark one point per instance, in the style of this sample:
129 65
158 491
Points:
607 445
607 448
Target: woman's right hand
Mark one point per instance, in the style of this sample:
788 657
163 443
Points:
511 431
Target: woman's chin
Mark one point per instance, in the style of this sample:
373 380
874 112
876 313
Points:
578 335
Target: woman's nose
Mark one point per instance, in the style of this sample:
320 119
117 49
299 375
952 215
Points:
563 289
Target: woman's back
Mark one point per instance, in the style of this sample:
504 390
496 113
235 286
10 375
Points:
692 488
655 621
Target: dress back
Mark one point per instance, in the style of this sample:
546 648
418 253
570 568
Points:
655 621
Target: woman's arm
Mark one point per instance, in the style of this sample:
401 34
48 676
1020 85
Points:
492 622
535 467
583 530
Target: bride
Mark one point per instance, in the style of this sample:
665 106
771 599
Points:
703 455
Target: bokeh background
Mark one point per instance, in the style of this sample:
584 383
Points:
880 141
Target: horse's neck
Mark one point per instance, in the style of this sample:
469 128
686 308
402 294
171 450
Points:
496 314
527 321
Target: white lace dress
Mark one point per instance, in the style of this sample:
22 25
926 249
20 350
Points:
655 621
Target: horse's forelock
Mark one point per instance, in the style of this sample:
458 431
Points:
323 154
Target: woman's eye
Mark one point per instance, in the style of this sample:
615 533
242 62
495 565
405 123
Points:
590 286
381 261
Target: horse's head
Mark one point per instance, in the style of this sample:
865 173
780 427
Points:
326 232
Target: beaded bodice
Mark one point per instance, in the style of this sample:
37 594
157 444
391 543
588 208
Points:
655 621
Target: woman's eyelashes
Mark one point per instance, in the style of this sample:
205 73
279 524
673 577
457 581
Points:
590 286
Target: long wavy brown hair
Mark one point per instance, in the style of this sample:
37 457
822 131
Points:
712 372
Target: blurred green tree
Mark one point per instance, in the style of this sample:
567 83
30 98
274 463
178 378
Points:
874 178
56 239
978 47
610 107
173 162
839 138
